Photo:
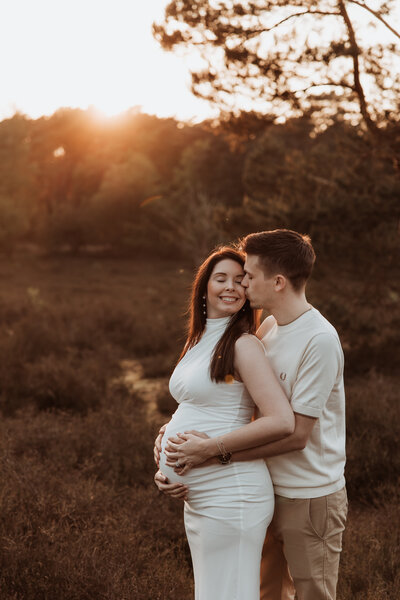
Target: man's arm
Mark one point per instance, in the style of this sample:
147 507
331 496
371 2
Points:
296 441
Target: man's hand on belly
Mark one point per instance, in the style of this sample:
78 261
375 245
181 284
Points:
184 451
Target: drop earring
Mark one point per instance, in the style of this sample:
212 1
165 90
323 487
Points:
204 306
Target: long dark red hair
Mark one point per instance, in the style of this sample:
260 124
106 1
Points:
244 321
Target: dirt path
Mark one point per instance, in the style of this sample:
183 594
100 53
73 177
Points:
148 389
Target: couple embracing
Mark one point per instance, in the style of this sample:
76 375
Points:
256 447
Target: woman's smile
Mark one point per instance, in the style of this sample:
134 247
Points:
229 299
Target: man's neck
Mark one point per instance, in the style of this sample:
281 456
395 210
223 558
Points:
291 309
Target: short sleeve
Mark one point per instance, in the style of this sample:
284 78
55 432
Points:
319 370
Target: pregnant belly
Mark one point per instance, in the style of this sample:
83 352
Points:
185 419
216 483
212 423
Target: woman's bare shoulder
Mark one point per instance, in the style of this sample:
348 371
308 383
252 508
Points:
247 342
265 327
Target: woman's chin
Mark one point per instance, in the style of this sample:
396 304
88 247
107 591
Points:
227 311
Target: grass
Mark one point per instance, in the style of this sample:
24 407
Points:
370 563
373 438
80 517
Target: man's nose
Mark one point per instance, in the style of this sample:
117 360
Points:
244 282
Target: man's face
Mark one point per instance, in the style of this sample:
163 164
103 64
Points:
259 286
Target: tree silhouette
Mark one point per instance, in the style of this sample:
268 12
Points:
300 57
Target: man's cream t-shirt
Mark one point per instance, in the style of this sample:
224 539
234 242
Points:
307 357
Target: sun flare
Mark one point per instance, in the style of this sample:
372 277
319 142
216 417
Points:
82 54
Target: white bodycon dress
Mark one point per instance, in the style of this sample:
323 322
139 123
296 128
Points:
229 506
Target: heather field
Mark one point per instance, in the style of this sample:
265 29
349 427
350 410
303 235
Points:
80 518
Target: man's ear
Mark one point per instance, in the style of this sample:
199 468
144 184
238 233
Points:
280 282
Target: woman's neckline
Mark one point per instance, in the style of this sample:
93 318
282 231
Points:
217 323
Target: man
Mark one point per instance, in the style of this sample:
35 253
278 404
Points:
303 543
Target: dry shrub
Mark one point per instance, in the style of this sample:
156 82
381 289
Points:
110 444
11 312
80 517
38 333
41 364
55 383
365 309
166 404
80 539
370 562
59 347
373 437
160 365
61 357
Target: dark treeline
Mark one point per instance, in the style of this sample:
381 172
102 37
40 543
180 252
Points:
140 184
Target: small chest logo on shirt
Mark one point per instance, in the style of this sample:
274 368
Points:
282 376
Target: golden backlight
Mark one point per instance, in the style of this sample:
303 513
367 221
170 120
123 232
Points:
89 53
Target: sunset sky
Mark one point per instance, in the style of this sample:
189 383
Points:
99 53
89 52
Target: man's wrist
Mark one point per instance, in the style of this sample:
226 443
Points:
210 448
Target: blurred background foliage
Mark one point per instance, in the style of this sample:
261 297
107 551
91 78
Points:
140 184
102 223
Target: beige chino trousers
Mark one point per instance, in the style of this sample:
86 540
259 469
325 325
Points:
302 549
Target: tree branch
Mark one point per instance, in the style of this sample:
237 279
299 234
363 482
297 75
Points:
377 16
327 83
355 51
252 32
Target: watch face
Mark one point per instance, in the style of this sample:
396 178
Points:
225 459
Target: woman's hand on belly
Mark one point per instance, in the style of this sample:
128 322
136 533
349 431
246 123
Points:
175 490
157 444
185 451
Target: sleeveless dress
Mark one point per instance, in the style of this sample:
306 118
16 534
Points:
229 506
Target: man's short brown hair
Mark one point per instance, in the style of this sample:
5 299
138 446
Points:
282 251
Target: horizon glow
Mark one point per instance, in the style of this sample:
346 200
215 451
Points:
90 53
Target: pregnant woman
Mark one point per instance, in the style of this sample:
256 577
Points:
221 377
